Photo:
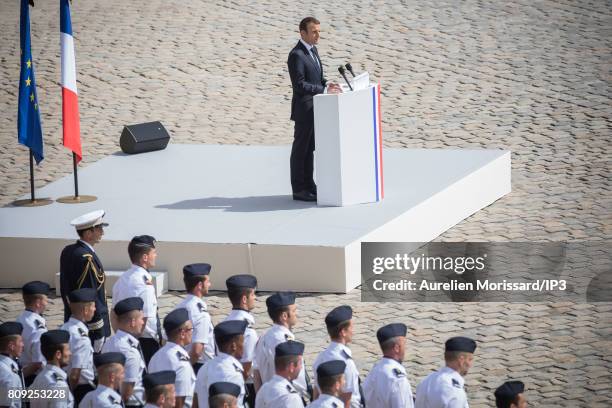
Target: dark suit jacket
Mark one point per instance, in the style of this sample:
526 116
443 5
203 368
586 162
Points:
306 80
76 272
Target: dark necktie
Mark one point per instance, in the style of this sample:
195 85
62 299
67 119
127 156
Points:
315 54
143 359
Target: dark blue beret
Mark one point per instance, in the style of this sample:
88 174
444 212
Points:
35 288
144 241
391 330
108 358
10 329
460 344
241 281
82 295
175 319
338 315
508 391
219 388
196 269
289 348
159 378
280 299
331 368
54 338
230 328
128 304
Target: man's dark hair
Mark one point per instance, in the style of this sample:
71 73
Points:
506 402
49 350
4 341
219 400
334 332
224 341
29 299
304 23
326 383
388 344
284 361
192 281
81 233
275 314
235 294
136 251
153 394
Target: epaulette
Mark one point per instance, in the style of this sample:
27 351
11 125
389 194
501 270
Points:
131 343
291 389
334 405
57 378
15 368
113 400
181 356
237 367
398 373
40 324
456 383
289 337
201 307
82 332
346 355
89 256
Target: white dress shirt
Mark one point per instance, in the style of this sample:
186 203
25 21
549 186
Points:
338 351
103 397
82 350
441 389
387 386
223 367
278 393
9 378
203 330
174 357
34 325
128 345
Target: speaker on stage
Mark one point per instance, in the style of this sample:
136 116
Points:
144 137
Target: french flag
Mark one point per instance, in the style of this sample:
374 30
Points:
70 99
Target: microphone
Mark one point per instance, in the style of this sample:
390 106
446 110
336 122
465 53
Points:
350 69
343 73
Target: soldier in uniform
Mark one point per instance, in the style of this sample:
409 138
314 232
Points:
138 282
11 347
110 376
279 391
80 267
197 282
339 324
130 323
55 347
444 388
283 312
159 389
34 325
241 292
511 394
330 380
223 395
387 386
81 367
225 367
174 357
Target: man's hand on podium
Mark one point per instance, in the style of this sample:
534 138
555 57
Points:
334 88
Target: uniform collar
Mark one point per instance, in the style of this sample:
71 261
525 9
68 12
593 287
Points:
225 356
392 361
136 268
281 379
78 323
87 245
334 345
453 374
104 388
7 360
120 333
239 314
305 44
281 328
56 370
327 397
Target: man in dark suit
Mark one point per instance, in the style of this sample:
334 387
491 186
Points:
307 80
80 267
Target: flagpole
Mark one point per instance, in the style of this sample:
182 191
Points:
32 201
32 194
76 177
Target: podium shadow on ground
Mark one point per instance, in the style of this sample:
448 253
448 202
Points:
241 204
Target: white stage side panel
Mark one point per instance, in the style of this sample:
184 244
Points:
328 166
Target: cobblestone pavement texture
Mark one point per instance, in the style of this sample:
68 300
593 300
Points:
531 77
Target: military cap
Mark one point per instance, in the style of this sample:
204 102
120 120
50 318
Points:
331 368
35 288
460 344
391 330
54 338
241 281
508 391
230 328
280 299
146 241
196 269
289 348
219 388
108 358
89 220
159 378
128 304
82 295
10 329
175 319
338 315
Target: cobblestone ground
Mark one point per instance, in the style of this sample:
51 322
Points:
531 77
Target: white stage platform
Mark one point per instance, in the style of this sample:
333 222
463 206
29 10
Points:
231 206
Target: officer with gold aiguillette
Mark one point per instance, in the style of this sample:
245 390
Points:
80 267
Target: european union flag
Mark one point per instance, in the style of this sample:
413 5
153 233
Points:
28 118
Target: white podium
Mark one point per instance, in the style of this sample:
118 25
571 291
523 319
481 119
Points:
348 155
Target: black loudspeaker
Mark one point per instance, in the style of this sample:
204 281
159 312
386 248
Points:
144 137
